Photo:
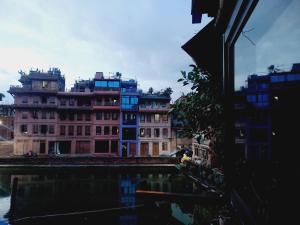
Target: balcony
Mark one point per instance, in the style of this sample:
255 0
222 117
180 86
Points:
106 91
107 105
34 106
154 108
20 89
74 107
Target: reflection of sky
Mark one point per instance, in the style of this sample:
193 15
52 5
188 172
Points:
274 28
4 207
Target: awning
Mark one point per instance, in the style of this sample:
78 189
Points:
205 49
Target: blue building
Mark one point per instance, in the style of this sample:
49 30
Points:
264 111
129 119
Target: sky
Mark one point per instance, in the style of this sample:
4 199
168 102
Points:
271 44
142 39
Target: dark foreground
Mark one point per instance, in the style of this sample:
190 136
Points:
100 195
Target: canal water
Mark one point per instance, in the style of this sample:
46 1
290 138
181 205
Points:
98 196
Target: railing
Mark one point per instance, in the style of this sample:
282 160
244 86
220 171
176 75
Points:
107 104
162 107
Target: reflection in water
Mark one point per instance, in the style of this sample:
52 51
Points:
57 193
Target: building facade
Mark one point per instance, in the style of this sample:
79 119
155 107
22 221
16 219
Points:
99 116
155 125
129 119
259 107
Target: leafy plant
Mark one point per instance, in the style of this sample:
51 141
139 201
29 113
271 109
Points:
1 96
202 108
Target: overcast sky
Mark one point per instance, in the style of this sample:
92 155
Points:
142 39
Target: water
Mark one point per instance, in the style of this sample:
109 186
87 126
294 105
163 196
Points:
62 191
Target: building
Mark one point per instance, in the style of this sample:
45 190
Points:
6 122
155 125
129 119
259 106
89 118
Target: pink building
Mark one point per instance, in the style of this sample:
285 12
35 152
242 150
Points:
49 120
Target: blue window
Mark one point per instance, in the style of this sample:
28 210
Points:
114 84
133 100
125 100
251 98
100 83
292 77
275 79
263 86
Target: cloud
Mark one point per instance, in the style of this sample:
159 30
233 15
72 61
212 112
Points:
140 38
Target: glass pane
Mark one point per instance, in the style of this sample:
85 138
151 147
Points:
267 69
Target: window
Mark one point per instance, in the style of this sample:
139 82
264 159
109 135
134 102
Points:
43 129
165 132
251 98
35 128
125 100
129 118
276 79
87 130
52 115
129 133
98 116
142 118
156 132
23 128
79 130
114 146
98 101
51 129
45 84
115 130
63 116
88 117
148 132
52 100
63 102
106 116
165 146
114 84
114 116
142 132
106 130
62 130
98 130
102 146
71 116
156 118
36 100
148 118
44 115
24 99
24 116
79 116
71 102
71 130
44 99
133 100
107 101
100 83
165 118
